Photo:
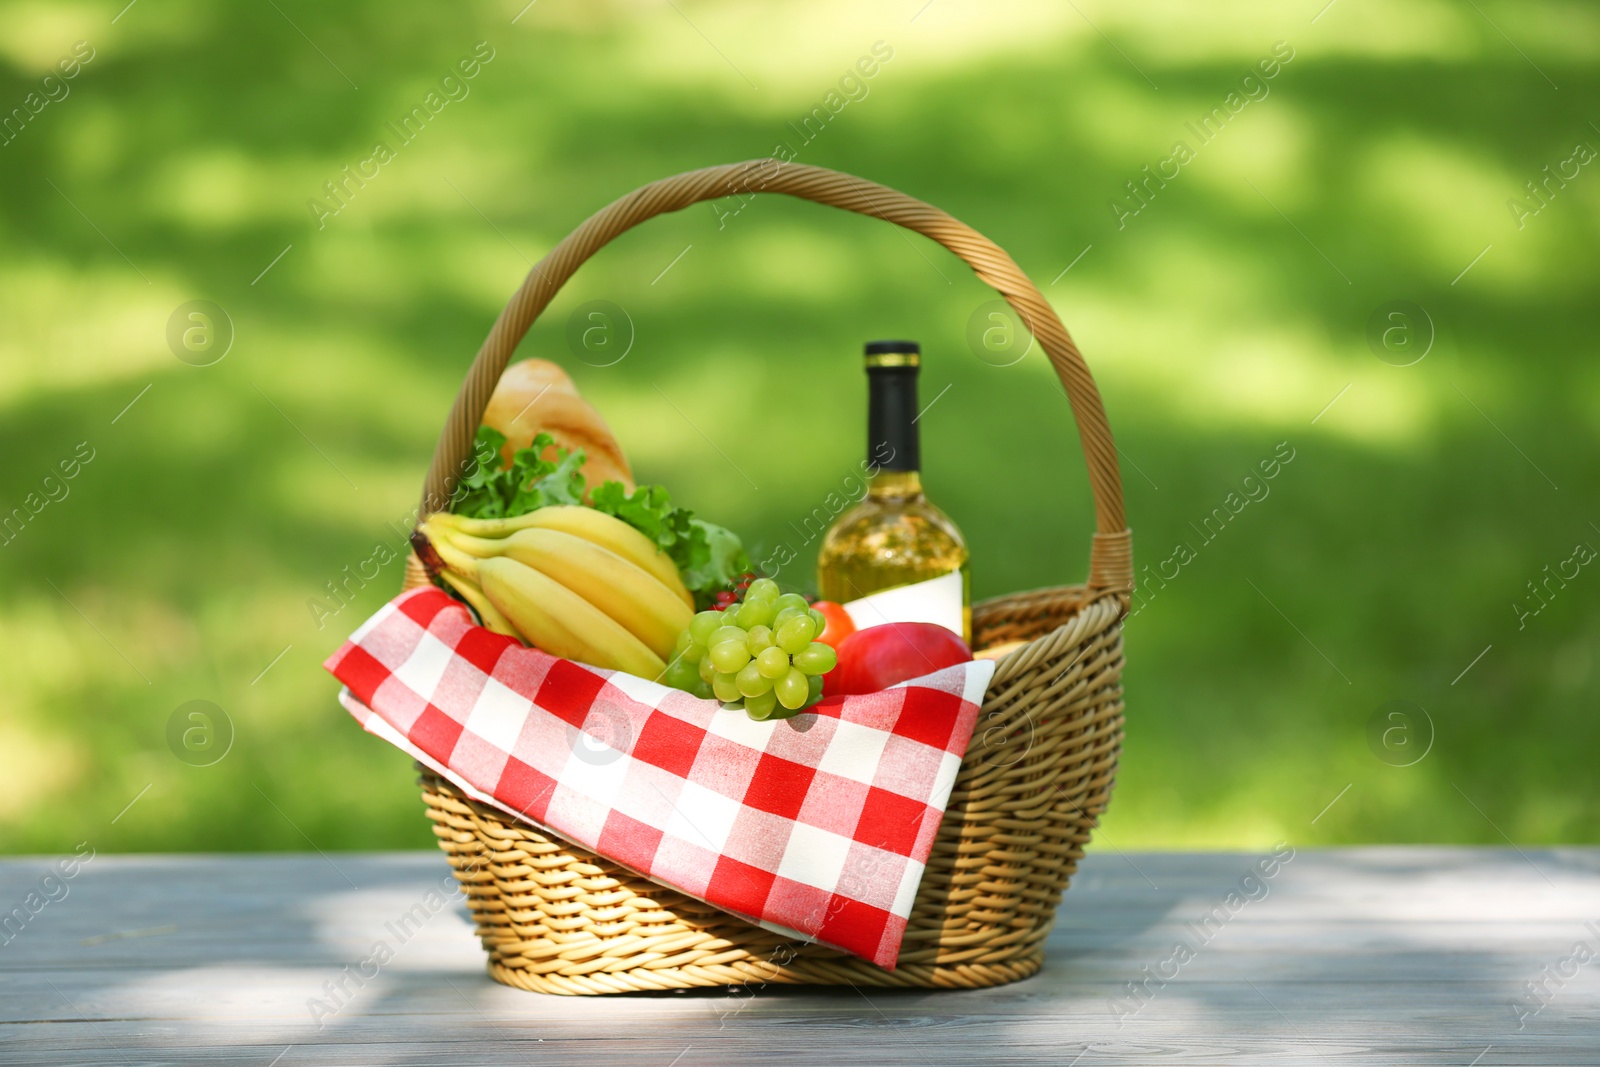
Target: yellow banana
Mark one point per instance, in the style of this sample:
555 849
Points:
488 614
543 612
627 593
560 621
597 527
454 559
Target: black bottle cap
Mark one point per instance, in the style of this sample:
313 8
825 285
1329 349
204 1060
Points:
892 439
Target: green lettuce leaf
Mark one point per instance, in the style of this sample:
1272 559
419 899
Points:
723 561
493 490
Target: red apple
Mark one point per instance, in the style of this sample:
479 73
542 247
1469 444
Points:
881 656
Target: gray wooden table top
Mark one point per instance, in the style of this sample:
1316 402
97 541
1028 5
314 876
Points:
1355 956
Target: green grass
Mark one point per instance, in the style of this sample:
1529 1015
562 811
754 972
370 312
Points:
1220 321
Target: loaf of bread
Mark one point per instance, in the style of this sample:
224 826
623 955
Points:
536 396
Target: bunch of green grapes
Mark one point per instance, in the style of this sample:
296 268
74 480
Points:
762 651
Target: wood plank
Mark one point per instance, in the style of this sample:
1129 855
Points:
1394 955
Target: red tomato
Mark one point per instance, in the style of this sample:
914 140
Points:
839 624
881 656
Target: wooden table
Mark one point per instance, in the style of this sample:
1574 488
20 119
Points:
1353 956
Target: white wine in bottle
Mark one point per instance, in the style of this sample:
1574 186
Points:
895 536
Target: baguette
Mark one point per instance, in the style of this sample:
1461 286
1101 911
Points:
536 396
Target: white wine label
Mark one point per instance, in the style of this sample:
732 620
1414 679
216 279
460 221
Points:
937 600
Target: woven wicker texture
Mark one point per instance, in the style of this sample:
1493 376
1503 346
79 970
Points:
556 918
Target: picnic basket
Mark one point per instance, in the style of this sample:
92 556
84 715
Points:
556 918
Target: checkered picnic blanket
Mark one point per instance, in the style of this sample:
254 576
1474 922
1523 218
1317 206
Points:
817 827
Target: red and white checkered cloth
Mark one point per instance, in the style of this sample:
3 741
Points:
817 826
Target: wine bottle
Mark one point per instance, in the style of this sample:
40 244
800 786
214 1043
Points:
895 536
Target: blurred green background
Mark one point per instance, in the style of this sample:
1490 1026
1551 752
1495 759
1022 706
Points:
1222 320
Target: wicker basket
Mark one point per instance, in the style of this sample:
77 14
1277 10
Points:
556 918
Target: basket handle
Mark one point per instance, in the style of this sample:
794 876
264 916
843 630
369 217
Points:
1110 560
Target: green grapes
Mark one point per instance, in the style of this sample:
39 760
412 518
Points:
816 658
729 656
703 626
726 688
792 689
753 613
758 640
761 707
761 651
750 680
773 663
682 674
796 634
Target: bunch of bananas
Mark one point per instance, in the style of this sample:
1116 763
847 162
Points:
573 581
